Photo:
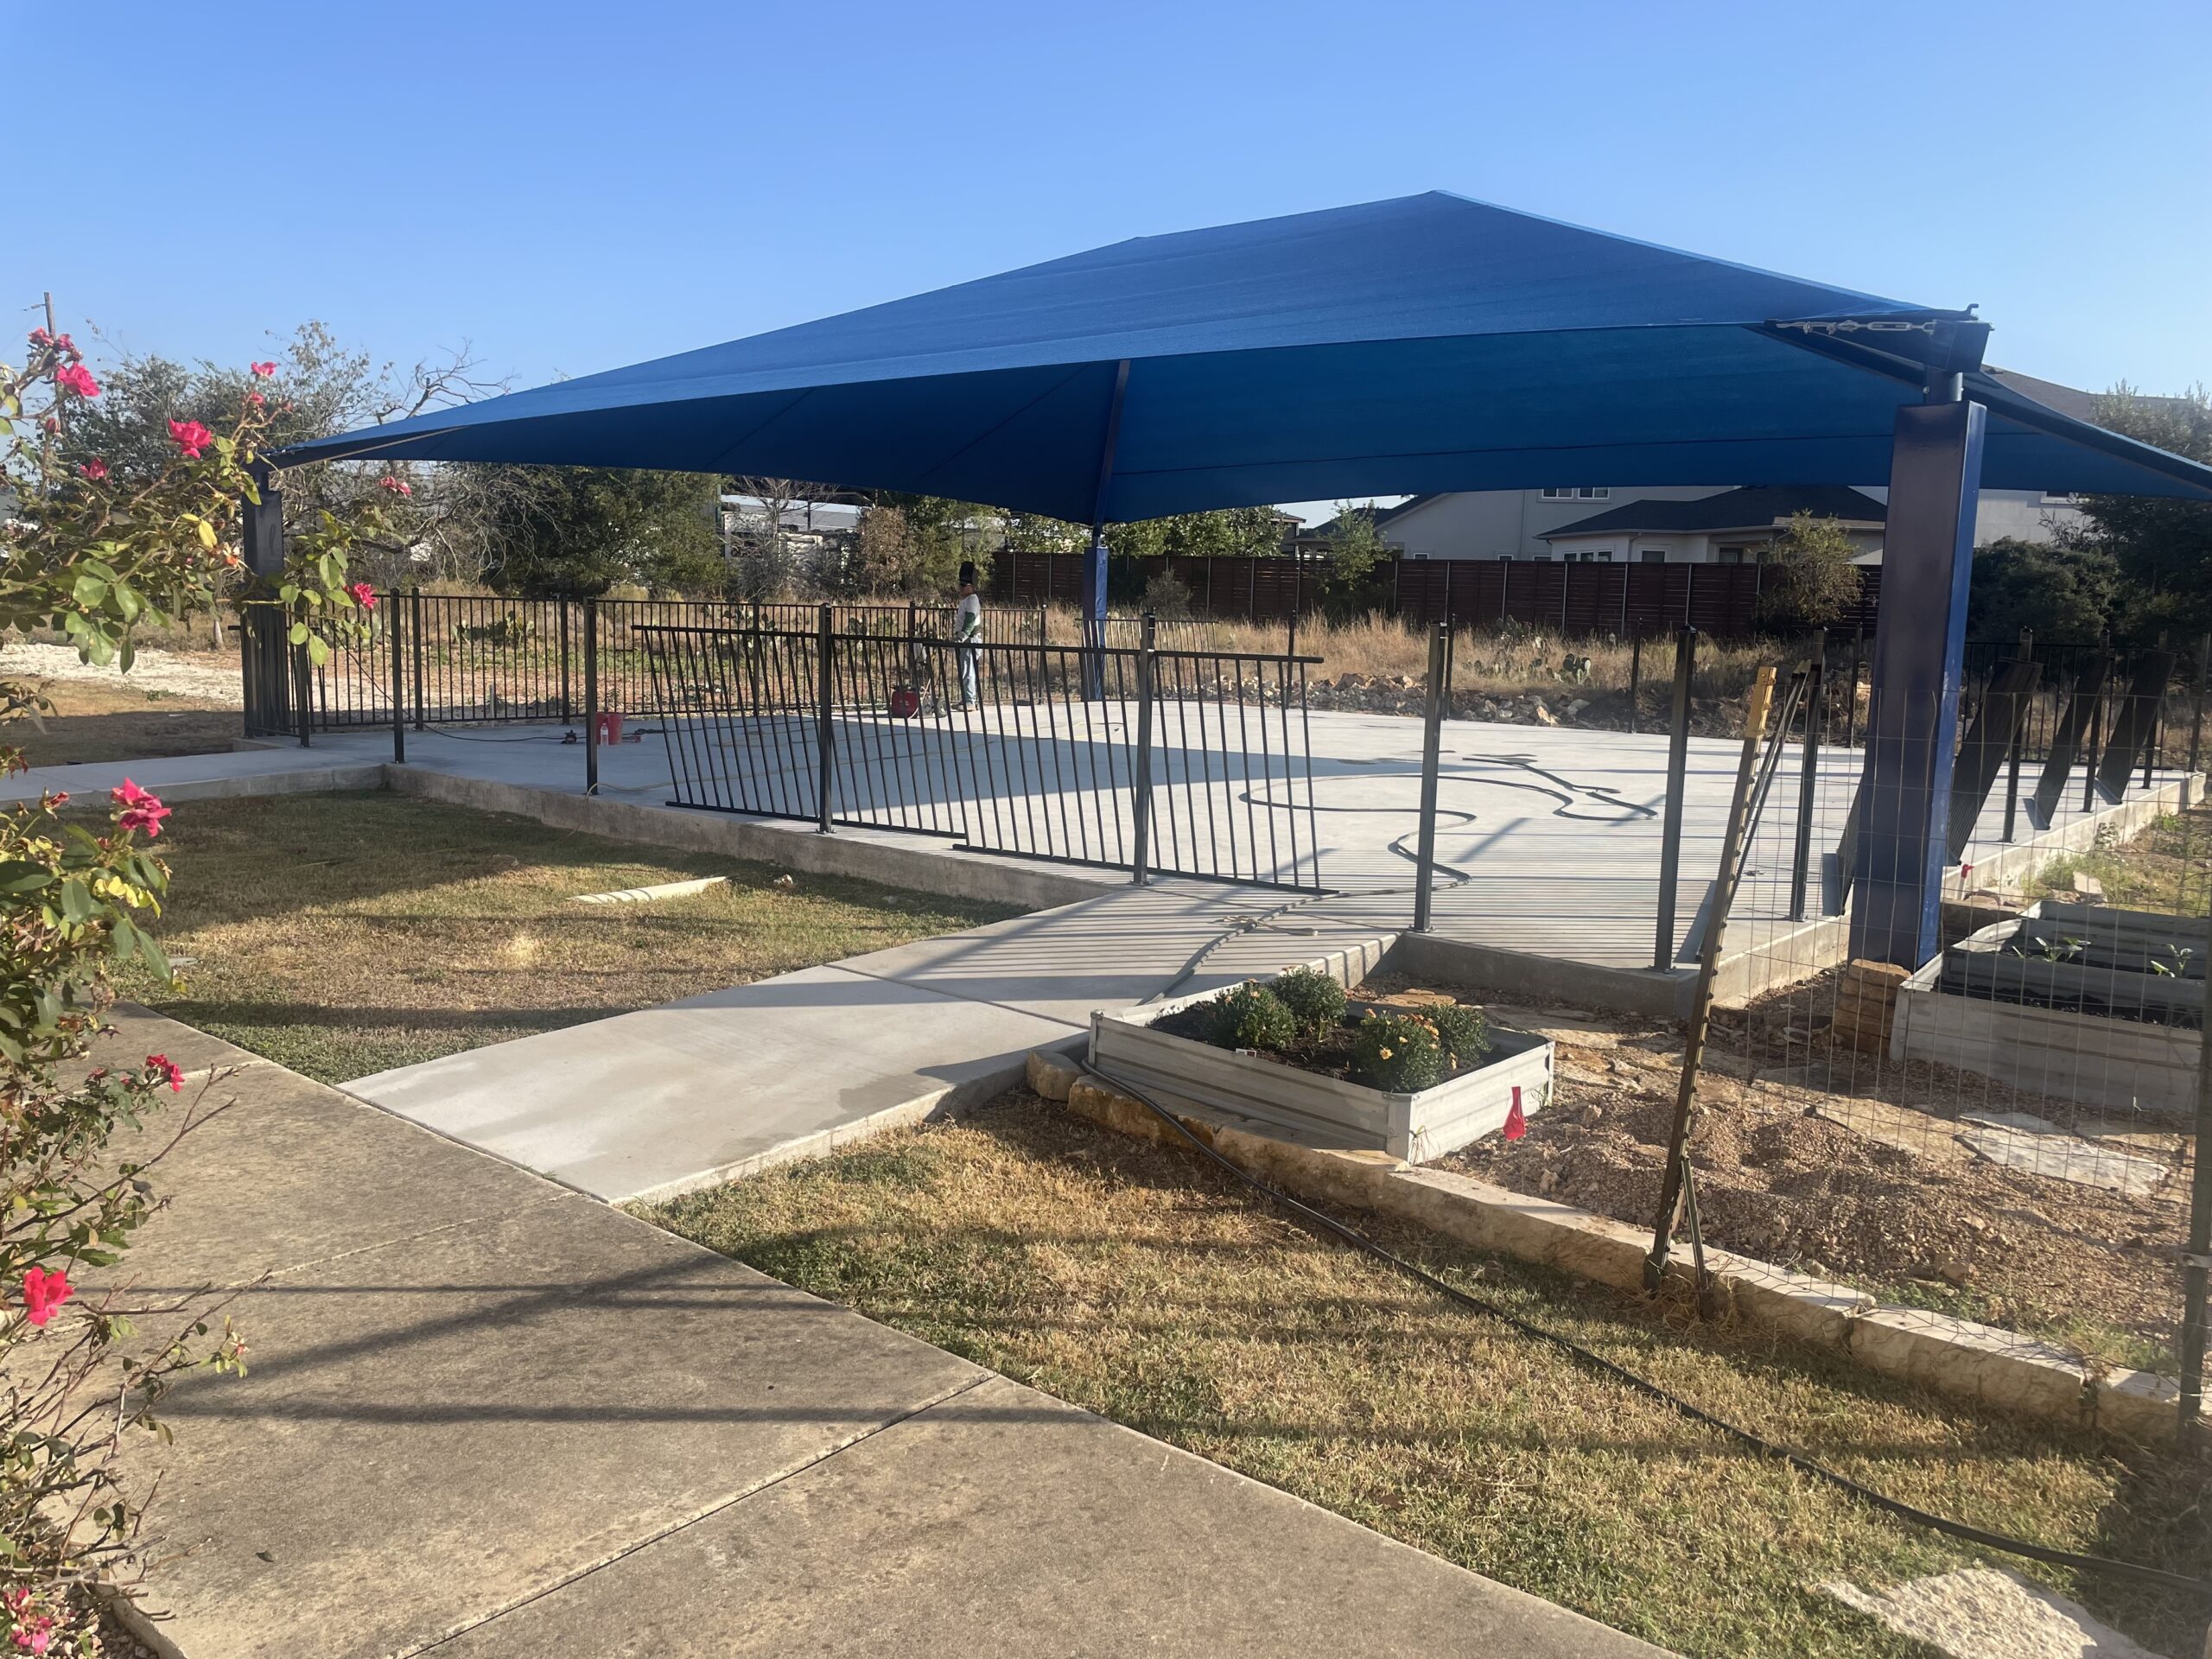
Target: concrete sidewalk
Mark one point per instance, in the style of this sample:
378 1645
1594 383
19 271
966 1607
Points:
487 1417
705 1090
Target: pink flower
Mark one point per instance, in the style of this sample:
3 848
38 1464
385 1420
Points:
95 470
76 378
191 437
142 809
264 369
43 1291
256 399
161 1069
40 337
364 596
396 486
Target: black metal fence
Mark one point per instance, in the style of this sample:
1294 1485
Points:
1181 762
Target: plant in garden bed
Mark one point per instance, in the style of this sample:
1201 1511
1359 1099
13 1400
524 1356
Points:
93 556
1299 1019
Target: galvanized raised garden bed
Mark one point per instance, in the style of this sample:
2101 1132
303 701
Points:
2075 1001
1325 1111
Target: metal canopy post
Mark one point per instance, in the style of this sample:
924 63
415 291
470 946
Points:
1094 554
1919 648
1440 639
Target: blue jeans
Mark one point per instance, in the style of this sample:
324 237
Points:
968 656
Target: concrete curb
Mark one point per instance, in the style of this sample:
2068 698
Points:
1975 1363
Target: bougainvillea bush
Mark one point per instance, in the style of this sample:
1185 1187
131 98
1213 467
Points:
83 1363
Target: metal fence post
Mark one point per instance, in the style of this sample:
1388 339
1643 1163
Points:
415 617
2197 1258
399 678
591 696
2196 713
1430 742
2018 745
1635 677
825 734
1809 776
1678 764
1147 661
1851 688
303 684
2094 740
565 715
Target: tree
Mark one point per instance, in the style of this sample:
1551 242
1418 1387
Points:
1811 581
2161 549
99 548
1234 532
2064 593
576 532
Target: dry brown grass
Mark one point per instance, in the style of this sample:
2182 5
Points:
97 720
1142 1285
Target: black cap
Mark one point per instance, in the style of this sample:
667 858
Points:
967 573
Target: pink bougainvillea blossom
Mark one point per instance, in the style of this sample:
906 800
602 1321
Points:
364 596
191 437
256 399
43 1291
76 378
264 370
142 809
95 470
161 1069
396 486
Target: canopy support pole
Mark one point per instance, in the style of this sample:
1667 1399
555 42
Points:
1094 553
1913 704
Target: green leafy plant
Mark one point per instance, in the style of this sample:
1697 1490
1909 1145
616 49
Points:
1252 1016
1316 998
98 551
1464 1032
1400 1052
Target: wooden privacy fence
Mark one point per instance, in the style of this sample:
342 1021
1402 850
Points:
1721 600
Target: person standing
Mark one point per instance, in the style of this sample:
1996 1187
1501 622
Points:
968 633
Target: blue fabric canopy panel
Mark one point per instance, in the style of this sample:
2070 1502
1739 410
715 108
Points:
1420 345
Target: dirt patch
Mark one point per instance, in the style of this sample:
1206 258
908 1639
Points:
1873 1185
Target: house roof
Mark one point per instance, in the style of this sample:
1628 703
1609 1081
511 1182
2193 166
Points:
1758 508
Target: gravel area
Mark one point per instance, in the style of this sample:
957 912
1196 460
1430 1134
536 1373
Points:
207 676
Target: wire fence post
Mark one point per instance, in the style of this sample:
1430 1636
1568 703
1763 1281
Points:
1678 766
1808 775
1147 662
415 619
1676 1182
1850 687
399 678
2095 738
1431 742
2196 710
824 732
2197 1259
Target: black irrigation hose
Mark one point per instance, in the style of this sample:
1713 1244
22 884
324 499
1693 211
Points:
1797 1460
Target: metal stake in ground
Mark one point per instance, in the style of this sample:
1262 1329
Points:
1678 764
2196 1261
1724 895
1430 742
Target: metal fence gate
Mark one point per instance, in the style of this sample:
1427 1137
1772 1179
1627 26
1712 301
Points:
1192 763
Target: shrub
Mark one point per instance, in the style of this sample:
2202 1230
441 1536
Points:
1252 1016
1400 1052
1314 997
1464 1033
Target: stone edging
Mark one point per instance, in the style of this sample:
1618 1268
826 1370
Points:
1976 1363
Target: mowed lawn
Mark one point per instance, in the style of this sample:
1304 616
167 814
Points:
340 935
1148 1287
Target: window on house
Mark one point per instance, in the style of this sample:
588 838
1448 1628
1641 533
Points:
1653 555
1604 555
1730 555
1586 493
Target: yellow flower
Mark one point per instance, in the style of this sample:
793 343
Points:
1385 1052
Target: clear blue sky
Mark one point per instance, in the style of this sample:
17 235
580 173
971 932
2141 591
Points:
570 187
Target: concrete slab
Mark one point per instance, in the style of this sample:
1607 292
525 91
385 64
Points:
202 777
439 1428
1002 1521
654 1103
2036 1146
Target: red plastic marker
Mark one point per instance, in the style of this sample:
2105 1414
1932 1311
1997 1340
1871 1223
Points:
1516 1125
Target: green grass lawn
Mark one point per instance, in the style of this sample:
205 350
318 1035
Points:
342 934
1146 1287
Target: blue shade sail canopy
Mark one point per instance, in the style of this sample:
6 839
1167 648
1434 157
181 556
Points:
1425 344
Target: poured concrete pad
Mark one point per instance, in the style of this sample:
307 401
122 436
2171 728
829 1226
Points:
2036 1146
706 1089
435 1429
1003 1521
1982 1614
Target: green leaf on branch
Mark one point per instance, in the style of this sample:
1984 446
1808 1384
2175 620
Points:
298 633
318 649
20 875
89 589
